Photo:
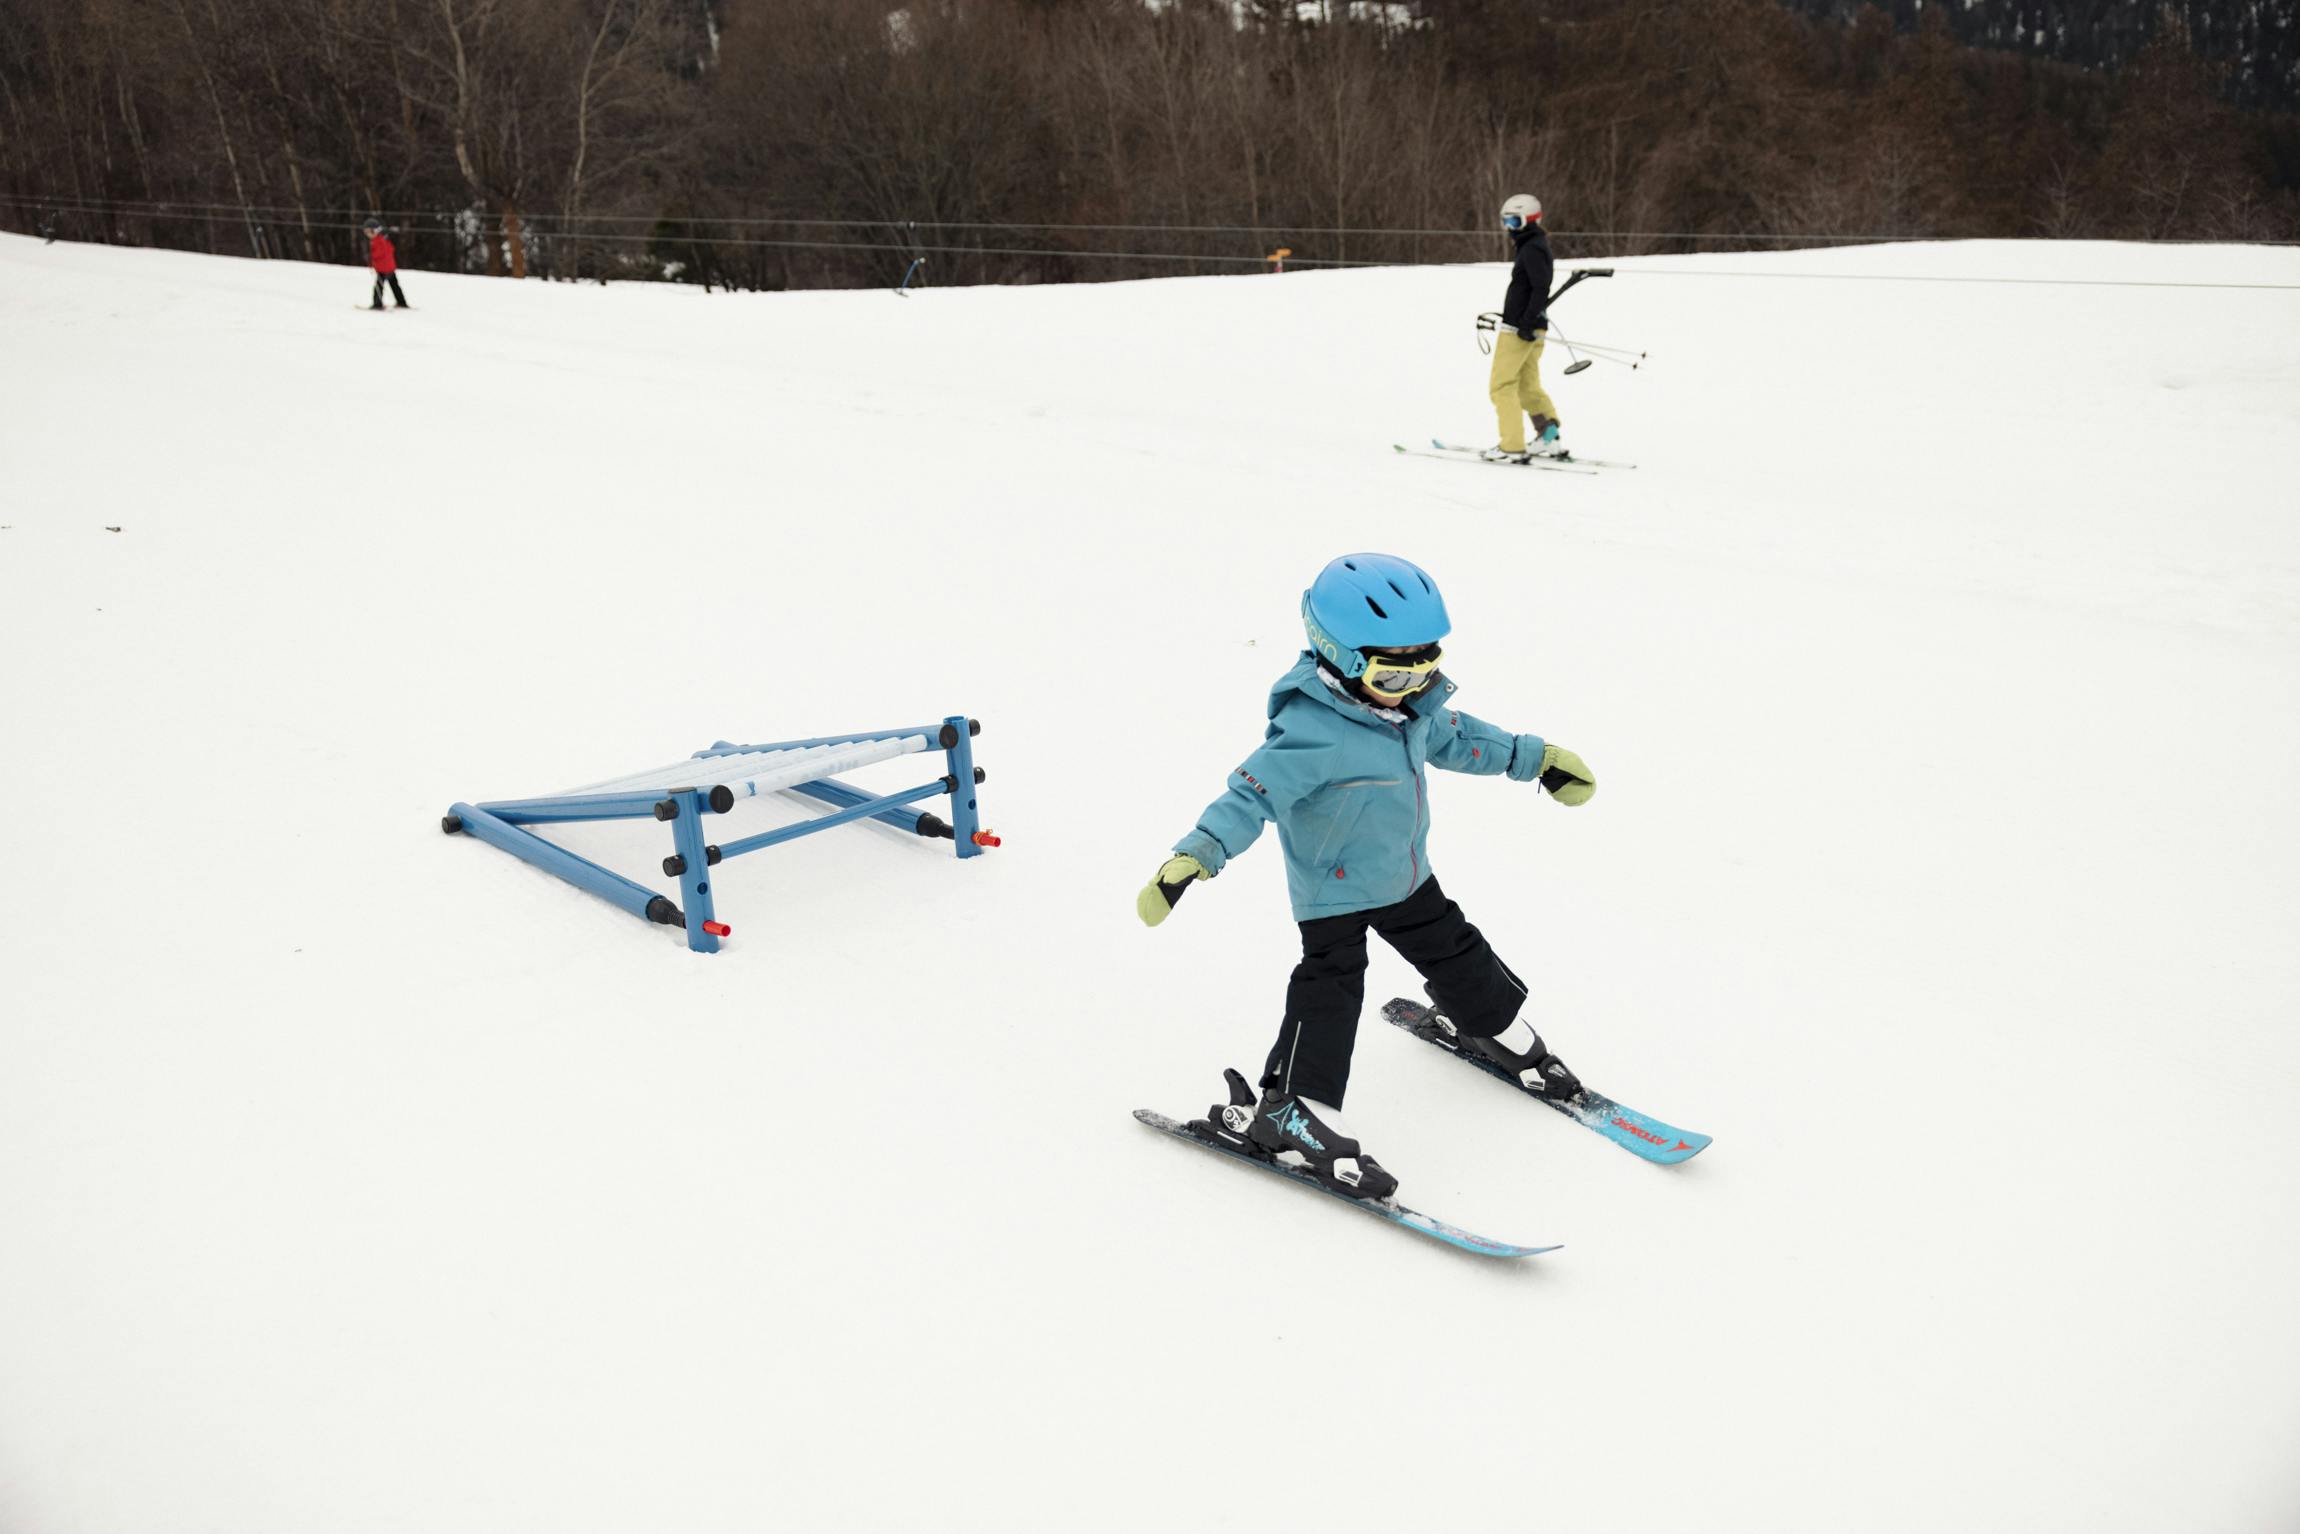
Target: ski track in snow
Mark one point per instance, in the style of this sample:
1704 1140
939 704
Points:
1940 664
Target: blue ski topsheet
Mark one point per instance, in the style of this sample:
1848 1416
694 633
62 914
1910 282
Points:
1640 1133
1395 1213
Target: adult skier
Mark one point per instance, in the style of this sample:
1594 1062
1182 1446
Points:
1340 772
1515 382
385 261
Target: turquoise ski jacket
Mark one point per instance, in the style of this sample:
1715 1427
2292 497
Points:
1343 782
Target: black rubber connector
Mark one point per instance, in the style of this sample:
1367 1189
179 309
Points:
663 913
451 823
974 727
711 856
666 809
674 865
981 776
935 825
722 798
949 783
948 737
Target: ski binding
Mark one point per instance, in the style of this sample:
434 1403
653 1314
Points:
1472 455
1220 1134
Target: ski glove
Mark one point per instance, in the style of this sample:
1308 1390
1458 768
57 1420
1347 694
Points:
1566 776
1163 893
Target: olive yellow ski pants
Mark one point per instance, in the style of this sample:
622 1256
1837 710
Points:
1516 386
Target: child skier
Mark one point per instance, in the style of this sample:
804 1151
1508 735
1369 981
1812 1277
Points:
1515 383
385 260
1340 771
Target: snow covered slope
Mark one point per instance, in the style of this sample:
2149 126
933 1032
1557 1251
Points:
1940 666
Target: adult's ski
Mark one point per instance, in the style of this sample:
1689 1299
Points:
1218 1137
1470 455
1568 456
1640 1133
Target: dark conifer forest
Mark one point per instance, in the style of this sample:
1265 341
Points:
806 143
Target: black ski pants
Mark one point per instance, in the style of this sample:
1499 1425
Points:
1466 979
397 297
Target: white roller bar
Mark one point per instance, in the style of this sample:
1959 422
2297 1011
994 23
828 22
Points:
750 773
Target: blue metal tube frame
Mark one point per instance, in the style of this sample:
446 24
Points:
729 748
964 821
631 806
695 877
832 791
502 824
825 822
551 858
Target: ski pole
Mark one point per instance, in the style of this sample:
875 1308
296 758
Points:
1601 346
1601 352
1579 362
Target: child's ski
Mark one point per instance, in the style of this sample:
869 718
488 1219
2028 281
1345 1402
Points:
1626 1127
1200 1132
1469 455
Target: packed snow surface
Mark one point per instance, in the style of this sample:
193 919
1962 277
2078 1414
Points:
1939 665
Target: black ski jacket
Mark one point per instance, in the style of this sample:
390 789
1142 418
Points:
1527 307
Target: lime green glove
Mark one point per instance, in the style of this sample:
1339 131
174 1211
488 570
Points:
1566 776
1163 893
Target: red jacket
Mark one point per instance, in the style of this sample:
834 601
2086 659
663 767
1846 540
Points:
380 255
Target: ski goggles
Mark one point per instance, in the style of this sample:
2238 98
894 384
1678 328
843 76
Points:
1513 222
1393 678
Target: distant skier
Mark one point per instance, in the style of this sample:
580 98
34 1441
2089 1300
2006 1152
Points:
1515 383
385 260
1340 771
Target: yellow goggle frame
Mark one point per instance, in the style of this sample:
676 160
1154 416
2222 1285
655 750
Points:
1394 679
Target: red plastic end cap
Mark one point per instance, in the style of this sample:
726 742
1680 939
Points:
987 839
718 929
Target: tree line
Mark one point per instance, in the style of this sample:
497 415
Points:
801 143
2255 42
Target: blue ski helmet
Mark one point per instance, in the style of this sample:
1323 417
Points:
1374 602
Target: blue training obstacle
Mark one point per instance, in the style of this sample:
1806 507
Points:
709 782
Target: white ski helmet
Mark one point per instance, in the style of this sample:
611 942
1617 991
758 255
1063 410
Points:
1525 207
